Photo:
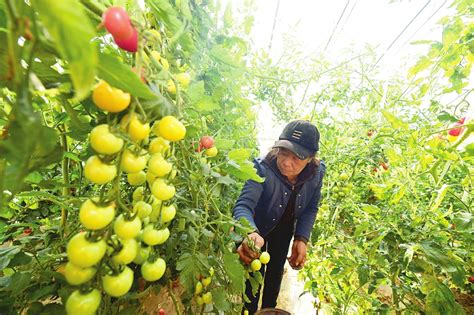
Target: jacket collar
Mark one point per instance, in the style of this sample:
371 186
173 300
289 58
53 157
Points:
306 174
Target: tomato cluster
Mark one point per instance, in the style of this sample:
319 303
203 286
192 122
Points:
120 232
201 290
343 187
207 144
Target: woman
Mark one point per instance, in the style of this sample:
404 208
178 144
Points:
283 207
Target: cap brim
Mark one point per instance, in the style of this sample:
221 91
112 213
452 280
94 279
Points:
300 151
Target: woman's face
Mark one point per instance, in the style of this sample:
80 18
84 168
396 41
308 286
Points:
289 164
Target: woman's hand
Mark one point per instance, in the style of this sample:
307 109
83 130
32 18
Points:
245 252
298 255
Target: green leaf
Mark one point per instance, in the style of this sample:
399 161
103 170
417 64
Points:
118 74
220 299
395 122
196 91
440 300
439 197
371 209
184 9
72 33
363 274
239 154
234 270
6 255
19 282
43 292
166 14
206 104
20 259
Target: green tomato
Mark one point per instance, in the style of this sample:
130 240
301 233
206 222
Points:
138 194
94 217
99 172
167 213
103 141
155 213
128 252
118 285
207 298
199 300
152 236
343 176
143 209
127 229
206 281
76 275
152 271
159 166
162 190
256 265
83 304
136 179
132 163
198 288
264 258
142 256
84 253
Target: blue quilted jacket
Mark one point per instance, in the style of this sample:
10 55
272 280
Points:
263 204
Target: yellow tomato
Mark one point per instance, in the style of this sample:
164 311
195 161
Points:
171 87
136 179
110 99
150 178
134 127
452 138
95 217
132 163
158 165
128 252
98 172
158 145
103 141
183 79
165 63
171 128
167 213
162 190
211 152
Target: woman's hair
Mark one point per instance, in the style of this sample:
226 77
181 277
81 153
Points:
271 155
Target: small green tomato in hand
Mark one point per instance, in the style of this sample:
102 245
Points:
264 258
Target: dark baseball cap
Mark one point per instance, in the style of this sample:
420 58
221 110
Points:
300 137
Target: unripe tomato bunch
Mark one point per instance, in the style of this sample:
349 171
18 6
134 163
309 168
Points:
119 231
201 290
343 187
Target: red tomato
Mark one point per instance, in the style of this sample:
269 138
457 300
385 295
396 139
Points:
471 279
27 231
207 142
129 44
117 22
370 133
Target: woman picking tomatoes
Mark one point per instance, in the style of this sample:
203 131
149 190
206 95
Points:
283 207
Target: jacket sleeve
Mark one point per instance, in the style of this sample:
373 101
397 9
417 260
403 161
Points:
305 223
248 200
